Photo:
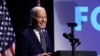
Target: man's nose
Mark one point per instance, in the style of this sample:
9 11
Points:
43 18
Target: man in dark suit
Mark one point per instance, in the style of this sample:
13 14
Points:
35 40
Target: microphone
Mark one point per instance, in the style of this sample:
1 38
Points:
78 44
68 37
77 41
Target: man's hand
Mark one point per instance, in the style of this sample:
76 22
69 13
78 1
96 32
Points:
45 54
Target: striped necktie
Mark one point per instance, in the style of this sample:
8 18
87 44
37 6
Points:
42 40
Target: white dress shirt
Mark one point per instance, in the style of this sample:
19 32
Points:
37 34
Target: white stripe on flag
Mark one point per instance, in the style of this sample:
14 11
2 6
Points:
13 47
0 54
8 52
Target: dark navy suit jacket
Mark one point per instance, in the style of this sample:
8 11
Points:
29 44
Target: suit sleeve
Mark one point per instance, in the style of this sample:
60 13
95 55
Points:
22 47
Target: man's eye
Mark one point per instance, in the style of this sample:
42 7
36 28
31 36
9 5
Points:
42 17
39 17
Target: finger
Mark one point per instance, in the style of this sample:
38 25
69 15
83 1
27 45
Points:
49 53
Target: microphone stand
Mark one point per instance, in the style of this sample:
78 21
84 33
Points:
72 25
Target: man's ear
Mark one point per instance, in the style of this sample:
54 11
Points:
33 20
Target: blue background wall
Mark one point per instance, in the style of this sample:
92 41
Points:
88 19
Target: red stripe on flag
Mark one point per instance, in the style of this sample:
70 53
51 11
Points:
4 54
11 50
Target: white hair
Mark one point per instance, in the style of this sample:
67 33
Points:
35 9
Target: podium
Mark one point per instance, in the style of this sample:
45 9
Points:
77 53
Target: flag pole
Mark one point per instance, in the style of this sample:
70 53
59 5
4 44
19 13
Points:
38 3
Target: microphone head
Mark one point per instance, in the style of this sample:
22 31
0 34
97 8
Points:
66 35
78 44
76 40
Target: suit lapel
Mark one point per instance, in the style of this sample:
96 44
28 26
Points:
35 39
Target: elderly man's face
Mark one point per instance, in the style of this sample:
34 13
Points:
41 19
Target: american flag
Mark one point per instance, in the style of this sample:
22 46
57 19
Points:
7 35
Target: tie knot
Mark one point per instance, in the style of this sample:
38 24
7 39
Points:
41 34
